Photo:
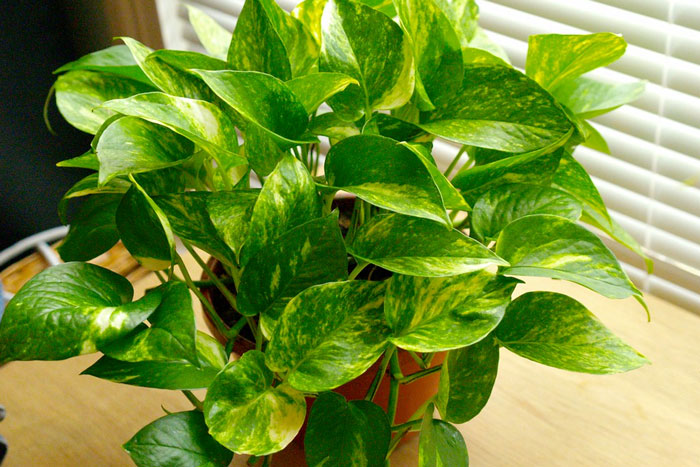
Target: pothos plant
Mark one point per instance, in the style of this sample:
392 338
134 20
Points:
181 140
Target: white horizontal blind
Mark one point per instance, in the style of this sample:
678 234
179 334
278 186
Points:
651 182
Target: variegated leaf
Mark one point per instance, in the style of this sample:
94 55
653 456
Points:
437 51
482 49
553 59
556 330
500 206
397 129
177 439
384 173
212 35
312 253
249 416
463 15
199 121
176 375
80 93
90 186
315 89
116 60
287 200
552 246
353 433
440 444
443 313
332 126
329 334
588 98
88 160
368 46
68 310
93 229
230 213
466 380
530 168
419 247
309 12
498 108
171 335
130 145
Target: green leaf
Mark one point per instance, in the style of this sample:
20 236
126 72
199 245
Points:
287 200
80 93
530 168
329 334
498 108
332 126
230 213
68 310
554 59
593 139
395 128
450 195
463 15
441 444
481 49
466 381
444 313
263 100
312 253
199 121
588 98
552 246
177 439
83 161
268 40
309 12
116 60
572 178
90 186
190 220
144 230
170 70
419 247
131 145
346 433
171 335
500 206
385 6
556 330
315 89
368 46
382 172
249 416
176 375
437 50
93 230
213 37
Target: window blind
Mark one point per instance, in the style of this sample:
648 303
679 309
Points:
651 179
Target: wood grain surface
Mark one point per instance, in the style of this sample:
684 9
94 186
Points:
536 416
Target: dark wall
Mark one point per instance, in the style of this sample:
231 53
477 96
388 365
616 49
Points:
34 41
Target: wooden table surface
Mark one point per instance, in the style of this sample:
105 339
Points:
536 416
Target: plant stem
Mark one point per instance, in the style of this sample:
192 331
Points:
372 391
160 277
417 417
454 162
394 386
236 328
256 332
427 358
410 424
217 282
358 269
228 281
199 405
328 203
419 374
418 360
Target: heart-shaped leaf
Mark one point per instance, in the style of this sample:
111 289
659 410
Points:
340 431
130 145
312 253
309 12
68 310
436 49
88 160
116 60
214 38
287 200
443 313
395 128
466 381
315 89
368 46
589 98
177 439
552 246
554 59
80 93
463 15
249 416
440 443
332 126
230 214
499 207
382 172
93 230
171 335
176 375
556 330
481 49
498 108
329 334
419 247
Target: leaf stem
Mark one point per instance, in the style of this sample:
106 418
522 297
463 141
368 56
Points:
418 360
416 417
394 386
454 162
256 332
409 424
420 374
358 269
160 277
372 391
199 405
213 277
